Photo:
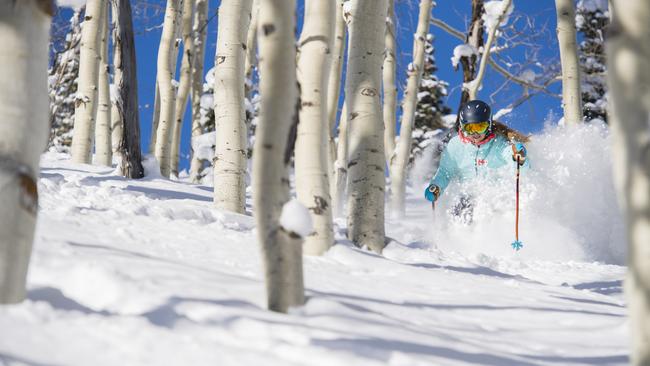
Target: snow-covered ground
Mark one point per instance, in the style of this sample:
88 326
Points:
147 272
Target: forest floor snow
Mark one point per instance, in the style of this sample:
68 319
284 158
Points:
147 272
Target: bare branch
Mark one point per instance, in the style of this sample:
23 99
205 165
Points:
447 28
509 76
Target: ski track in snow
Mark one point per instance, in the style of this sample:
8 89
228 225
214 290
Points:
147 272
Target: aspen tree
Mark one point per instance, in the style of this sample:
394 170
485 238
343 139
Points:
155 118
173 55
389 85
334 88
312 183
566 35
366 151
24 31
166 87
400 159
281 249
86 100
341 166
126 85
117 124
628 60
230 116
103 148
199 31
185 81
475 84
251 40
251 88
474 38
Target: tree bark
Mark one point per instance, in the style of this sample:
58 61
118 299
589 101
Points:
401 157
476 83
117 124
173 56
200 31
126 82
334 87
230 116
362 92
341 166
475 39
166 87
24 30
103 148
185 82
628 65
389 85
281 250
251 40
86 100
312 183
566 35
155 118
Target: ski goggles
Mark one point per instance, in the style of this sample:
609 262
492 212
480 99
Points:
476 128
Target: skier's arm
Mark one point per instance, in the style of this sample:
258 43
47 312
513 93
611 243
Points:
446 171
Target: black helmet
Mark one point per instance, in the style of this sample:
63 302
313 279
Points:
475 111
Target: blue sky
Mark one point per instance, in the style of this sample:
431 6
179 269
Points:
529 117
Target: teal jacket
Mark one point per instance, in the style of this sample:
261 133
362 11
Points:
464 161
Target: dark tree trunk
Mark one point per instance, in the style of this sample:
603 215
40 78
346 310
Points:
475 39
126 81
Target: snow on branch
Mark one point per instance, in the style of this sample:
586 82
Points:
496 14
463 50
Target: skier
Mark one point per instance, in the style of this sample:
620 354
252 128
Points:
481 145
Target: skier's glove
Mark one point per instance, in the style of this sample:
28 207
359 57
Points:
519 153
432 192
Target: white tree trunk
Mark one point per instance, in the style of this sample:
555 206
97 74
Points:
389 85
24 31
628 60
184 83
366 182
251 40
166 87
566 35
334 87
476 83
117 124
312 183
401 158
200 32
340 166
155 118
103 147
230 115
281 250
86 100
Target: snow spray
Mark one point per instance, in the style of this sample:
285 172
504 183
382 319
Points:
568 202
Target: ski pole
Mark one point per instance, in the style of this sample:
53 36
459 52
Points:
516 245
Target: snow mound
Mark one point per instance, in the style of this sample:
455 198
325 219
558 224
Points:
295 218
149 272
